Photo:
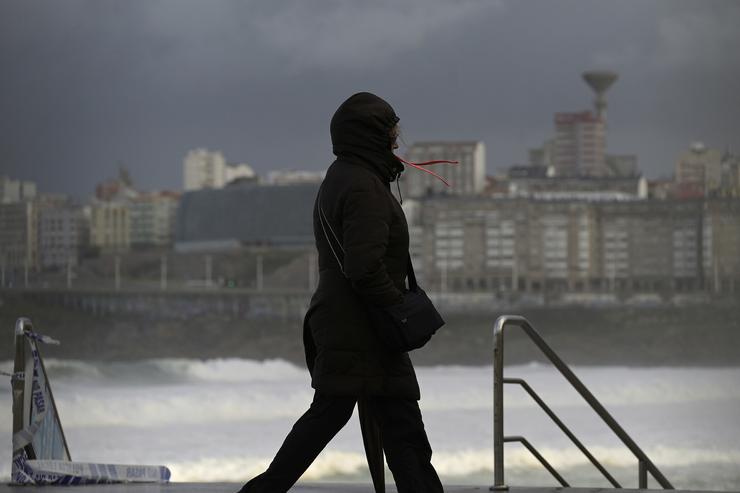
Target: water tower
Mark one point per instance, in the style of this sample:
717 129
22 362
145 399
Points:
600 81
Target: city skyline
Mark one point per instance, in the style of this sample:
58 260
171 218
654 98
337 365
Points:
96 84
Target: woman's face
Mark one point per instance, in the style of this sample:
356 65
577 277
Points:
395 132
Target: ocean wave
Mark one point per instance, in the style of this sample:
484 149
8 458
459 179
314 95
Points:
165 408
158 392
328 465
173 397
166 370
613 386
231 370
449 464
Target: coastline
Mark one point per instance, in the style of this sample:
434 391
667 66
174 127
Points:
705 335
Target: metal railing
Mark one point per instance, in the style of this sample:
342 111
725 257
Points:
645 465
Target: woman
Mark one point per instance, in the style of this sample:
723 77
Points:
346 360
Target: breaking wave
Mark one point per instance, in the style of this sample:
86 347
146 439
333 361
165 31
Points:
222 419
168 370
450 464
613 385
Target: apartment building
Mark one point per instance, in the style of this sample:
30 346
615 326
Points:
19 235
13 191
466 178
110 226
700 166
208 169
580 144
152 218
63 234
557 245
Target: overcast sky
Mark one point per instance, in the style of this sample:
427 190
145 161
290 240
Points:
85 85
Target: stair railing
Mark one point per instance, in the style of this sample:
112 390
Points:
645 465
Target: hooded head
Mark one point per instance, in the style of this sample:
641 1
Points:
361 128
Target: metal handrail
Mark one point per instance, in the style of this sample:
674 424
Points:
645 465
564 428
539 457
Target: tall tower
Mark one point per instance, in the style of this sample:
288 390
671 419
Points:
579 144
600 81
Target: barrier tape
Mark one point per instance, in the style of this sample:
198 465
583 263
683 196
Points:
15 377
41 338
25 435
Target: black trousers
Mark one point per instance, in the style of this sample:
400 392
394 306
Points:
405 444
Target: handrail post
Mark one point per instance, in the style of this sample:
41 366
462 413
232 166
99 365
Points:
498 406
642 474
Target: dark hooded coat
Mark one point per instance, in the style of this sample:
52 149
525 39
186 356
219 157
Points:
343 352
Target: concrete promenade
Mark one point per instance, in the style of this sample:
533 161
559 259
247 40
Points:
301 488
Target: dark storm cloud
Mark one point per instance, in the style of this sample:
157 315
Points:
86 84
680 82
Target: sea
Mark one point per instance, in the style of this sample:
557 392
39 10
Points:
223 420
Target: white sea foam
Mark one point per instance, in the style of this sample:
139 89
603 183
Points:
231 370
329 465
172 405
222 420
613 385
152 371
458 463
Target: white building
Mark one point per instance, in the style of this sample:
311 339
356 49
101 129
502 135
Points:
466 178
13 191
239 171
152 218
110 226
208 169
19 235
204 169
700 166
63 233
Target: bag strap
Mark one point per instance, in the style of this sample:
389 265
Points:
338 252
411 276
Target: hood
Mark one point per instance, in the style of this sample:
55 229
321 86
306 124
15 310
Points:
360 129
